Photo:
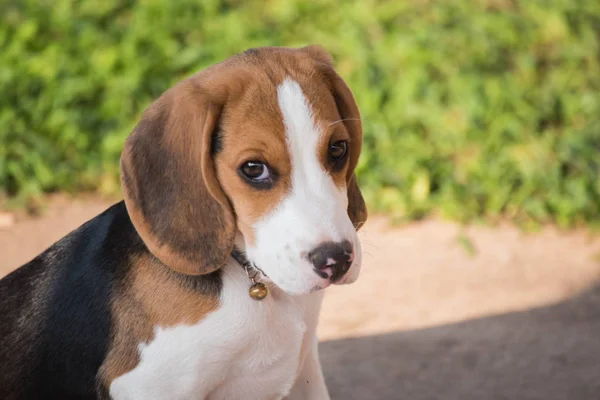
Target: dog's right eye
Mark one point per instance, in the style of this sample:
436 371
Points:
256 172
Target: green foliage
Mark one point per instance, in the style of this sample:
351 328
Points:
475 109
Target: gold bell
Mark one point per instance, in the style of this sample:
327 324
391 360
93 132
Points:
258 291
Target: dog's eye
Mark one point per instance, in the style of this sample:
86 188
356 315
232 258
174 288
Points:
338 150
255 171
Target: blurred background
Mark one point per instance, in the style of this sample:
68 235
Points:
480 168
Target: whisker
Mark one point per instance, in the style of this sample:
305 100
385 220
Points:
370 246
369 255
342 120
369 242
364 121
365 240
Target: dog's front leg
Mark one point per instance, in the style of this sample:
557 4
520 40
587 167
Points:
310 383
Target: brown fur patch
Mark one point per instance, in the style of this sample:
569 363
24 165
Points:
251 134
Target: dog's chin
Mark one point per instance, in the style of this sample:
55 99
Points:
300 288
309 284
323 284
302 291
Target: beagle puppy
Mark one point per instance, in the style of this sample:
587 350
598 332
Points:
240 178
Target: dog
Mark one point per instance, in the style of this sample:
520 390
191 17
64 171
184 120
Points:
240 205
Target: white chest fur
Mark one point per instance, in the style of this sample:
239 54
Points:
244 349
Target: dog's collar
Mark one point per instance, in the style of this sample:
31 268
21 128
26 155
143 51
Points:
258 290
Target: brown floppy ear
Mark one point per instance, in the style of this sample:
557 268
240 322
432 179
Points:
350 115
357 209
169 183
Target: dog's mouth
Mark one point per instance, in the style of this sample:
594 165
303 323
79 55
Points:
258 277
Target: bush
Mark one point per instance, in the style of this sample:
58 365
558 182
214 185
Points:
474 109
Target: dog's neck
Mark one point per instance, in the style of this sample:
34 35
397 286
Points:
258 290
238 253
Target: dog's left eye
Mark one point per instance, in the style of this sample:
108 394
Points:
256 171
338 150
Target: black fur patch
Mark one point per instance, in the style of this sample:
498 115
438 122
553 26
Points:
216 141
252 52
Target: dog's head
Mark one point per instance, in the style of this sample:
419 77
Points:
264 144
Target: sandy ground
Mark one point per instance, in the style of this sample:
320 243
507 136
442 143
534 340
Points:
517 318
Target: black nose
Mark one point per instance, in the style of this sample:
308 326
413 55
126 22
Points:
337 256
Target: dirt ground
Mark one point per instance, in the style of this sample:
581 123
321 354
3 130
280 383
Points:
518 317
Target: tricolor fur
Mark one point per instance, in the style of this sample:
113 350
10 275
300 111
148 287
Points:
145 301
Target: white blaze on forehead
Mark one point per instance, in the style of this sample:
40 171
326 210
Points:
300 129
303 136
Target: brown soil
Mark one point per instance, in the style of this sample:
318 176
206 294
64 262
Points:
518 317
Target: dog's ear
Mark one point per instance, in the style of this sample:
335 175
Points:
350 115
357 209
169 182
